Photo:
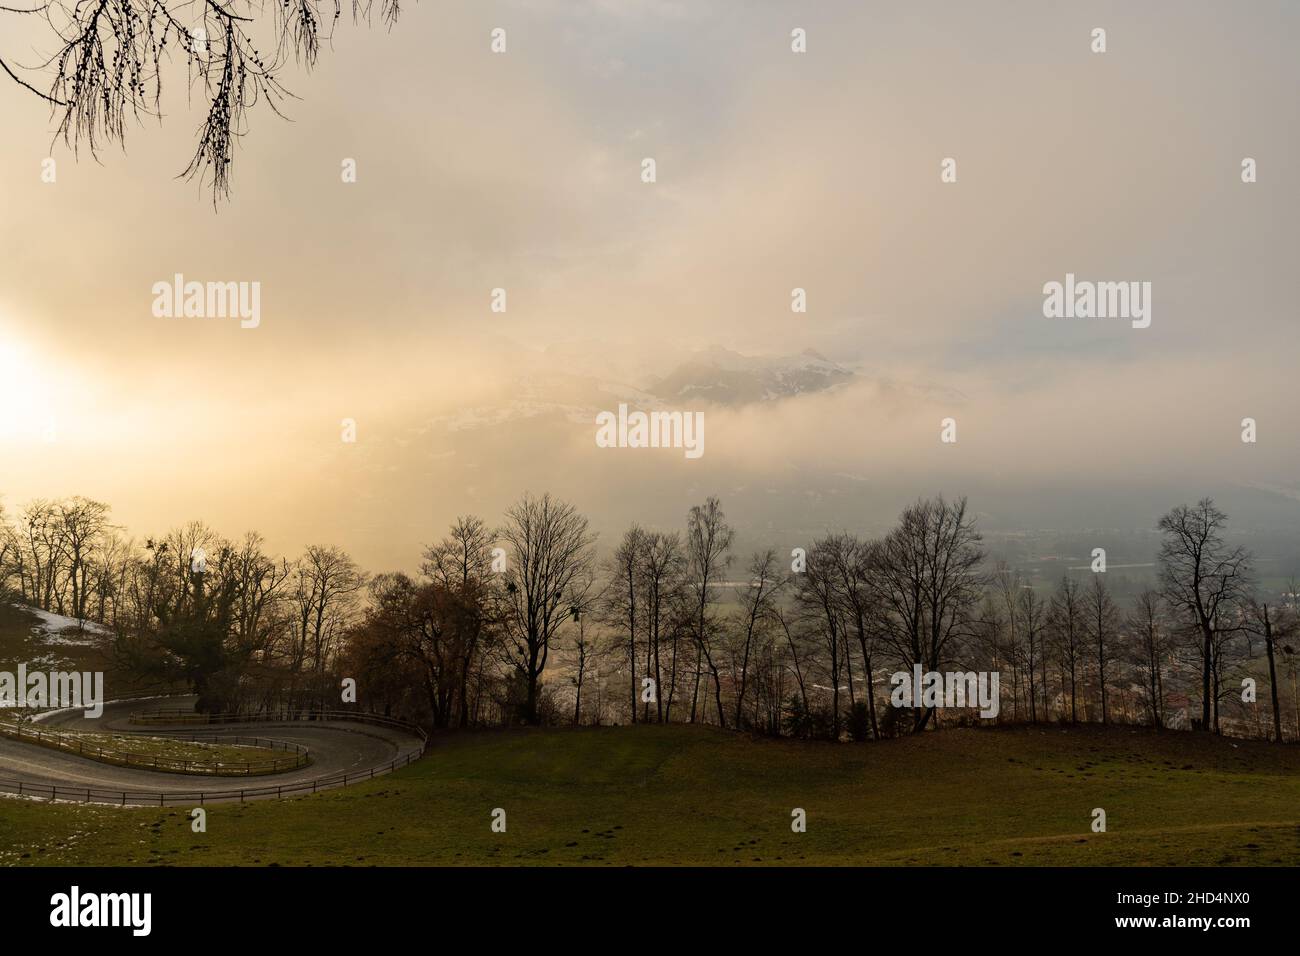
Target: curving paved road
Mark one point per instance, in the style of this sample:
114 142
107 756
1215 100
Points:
343 752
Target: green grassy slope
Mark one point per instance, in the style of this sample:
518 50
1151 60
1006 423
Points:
693 795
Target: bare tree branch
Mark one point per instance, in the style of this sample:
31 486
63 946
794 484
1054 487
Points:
111 55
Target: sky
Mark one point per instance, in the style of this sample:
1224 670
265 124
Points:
774 171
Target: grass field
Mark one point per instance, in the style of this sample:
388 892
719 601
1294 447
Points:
694 795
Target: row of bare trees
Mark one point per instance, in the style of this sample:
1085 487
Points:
241 627
469 641
522 623
59 555
809 650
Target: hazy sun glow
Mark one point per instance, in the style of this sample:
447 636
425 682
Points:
24 391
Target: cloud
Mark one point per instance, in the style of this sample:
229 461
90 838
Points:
776 171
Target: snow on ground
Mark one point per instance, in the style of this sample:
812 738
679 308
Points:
57 629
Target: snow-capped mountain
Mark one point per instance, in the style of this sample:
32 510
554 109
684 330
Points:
723 377
578 382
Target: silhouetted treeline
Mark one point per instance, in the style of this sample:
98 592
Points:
522 624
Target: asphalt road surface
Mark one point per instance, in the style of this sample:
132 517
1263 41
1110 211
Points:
343 752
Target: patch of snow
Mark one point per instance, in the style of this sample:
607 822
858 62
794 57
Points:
57 629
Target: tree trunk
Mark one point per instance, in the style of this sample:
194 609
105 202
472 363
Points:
1207 655
1272 677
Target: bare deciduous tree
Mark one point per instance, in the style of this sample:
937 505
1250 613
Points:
1202 577
550 548
622 598
1033 621
822 609
1273 625
1067 627
708 548
1145 624
662 573
930 584
757 602
585 595
1103 619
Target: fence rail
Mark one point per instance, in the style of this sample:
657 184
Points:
70 742
177 797
182 797
180 715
